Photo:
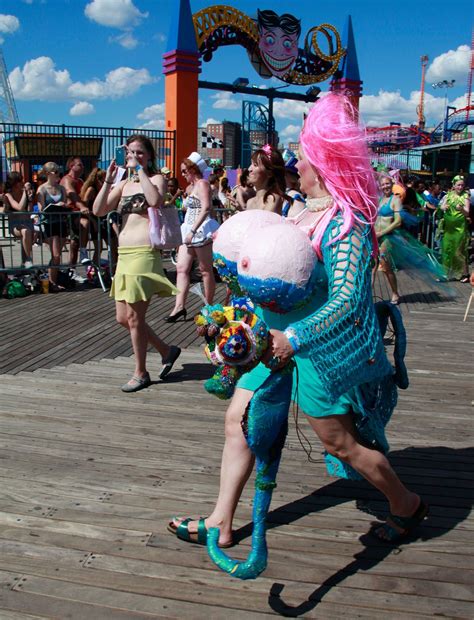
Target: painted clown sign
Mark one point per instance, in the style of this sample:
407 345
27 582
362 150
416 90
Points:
272 43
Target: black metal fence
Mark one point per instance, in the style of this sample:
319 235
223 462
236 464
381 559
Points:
41 240
27 147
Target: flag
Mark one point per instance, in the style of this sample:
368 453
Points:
209 142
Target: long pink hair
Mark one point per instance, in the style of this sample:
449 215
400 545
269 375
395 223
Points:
335 145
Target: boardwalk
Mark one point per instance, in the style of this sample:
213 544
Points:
90 477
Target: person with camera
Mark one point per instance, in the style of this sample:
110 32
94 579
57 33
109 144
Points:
18 202
139 274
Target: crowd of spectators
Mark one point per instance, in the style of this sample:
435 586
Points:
56 210
423 213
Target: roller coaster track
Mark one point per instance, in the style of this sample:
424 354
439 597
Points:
210 19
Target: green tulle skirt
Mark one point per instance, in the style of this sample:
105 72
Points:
139 276
455 244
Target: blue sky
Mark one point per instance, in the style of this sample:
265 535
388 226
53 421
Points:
99 62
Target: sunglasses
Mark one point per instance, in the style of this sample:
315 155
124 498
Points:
184 170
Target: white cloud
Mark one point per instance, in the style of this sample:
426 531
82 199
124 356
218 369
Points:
461 102
226 101
386 107
114 13
39 80
8 25
154 115
118 83
81 108
210 121
290 133
452 65
160 37
290 109
126 40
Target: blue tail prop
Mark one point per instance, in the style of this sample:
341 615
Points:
265 426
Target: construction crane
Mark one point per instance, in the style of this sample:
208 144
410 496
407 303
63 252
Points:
420 106
8 113
469 79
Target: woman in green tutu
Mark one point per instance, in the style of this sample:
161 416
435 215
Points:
454 213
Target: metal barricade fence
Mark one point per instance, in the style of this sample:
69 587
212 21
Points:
429 233
25 148
33 235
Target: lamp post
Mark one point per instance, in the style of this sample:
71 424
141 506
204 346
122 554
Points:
444 84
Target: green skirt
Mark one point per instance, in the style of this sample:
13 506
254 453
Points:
139 275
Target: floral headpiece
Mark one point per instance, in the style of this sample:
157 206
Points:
457 178
267 149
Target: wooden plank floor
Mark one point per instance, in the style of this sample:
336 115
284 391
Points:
90 477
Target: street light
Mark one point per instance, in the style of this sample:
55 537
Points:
445 84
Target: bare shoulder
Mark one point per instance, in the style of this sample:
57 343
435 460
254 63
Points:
252 203
66 182
273 202
202 184
158 179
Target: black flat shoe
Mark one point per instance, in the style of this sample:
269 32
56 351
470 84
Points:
172 318
169 361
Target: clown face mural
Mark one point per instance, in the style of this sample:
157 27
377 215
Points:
278 42
271 42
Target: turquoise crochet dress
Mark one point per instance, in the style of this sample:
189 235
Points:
341 362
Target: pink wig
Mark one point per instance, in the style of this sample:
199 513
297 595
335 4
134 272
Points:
336 147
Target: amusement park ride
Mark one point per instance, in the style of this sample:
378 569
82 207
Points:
274 51
272 44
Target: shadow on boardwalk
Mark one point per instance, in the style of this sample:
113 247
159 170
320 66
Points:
446 513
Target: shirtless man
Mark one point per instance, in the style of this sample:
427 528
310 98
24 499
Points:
73 183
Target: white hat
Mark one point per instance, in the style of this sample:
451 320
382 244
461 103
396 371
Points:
165 170
199 161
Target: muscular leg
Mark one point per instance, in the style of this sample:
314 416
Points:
236 467
204 256
338 435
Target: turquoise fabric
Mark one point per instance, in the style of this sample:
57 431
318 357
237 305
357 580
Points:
342 337
342 361
308 389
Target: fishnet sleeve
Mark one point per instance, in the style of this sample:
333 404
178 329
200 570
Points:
346 262
342 337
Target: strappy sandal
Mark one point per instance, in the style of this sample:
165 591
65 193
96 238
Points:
388 534
136 384
464 279
182 532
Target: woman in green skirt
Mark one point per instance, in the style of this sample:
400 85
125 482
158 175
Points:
139 274
454 211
